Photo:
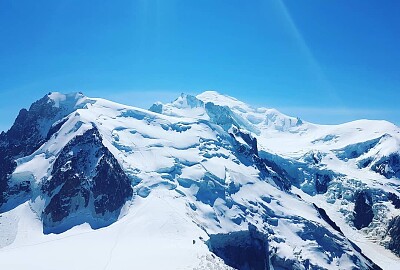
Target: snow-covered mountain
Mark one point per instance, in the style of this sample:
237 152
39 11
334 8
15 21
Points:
204 182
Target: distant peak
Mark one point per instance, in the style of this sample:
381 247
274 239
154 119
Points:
211 94
186 100
220 99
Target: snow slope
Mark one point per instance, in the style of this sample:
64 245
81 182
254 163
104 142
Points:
198 166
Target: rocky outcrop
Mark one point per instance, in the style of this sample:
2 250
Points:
321 182
394 199
245 250
29 131
388 166
7 166
86 185
394 234
363 213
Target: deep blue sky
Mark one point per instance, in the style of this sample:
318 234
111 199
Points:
325 61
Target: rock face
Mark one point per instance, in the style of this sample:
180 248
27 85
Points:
321 183
363 213
29 131
388 166
86 178
215 162
394 233
245 250
394 199
87 185
7 166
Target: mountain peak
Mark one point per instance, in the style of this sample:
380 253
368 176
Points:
206 166
73 99
220 99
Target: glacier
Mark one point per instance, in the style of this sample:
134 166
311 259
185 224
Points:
203 182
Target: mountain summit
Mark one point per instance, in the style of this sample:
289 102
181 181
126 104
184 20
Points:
203 182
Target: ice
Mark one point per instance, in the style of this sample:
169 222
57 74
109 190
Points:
210 164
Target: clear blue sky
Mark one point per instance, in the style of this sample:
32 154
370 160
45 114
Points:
325 61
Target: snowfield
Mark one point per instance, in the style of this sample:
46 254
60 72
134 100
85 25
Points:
101 185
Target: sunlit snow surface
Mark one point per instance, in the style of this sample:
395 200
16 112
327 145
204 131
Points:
182 162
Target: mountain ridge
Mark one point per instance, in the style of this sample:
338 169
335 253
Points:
223 164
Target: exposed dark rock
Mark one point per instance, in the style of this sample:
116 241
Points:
244 250
394 233
30 130
321 182
7 166
363 213
22 139
325 217
248 154
313 157
31 127
268 168
111 186
55 128
250 140
365 162
86 181
388 166
394 199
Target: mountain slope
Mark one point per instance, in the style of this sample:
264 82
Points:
181 179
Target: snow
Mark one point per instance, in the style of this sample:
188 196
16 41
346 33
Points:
218 99
69 101
164 243
175 154
381 256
